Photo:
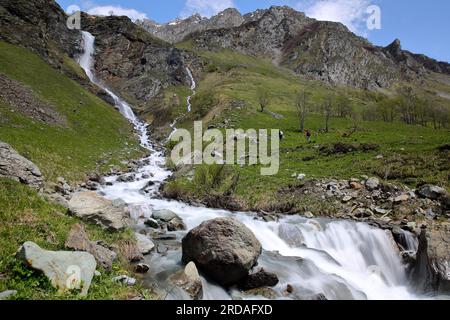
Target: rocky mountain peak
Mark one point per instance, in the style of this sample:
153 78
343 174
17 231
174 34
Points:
395 48
178 29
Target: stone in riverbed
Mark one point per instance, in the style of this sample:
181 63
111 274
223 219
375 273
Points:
65 270
141 268
223 248
152 223
164 215
79 240
144 244
176 224
189 280
262 278
96 209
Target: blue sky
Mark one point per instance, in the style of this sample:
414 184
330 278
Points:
422 26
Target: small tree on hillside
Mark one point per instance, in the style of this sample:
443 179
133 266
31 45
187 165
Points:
302 104
263 99
327 109
343 106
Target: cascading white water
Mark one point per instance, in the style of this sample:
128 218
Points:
193 87
339 259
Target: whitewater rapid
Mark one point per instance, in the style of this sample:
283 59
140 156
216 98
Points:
338 259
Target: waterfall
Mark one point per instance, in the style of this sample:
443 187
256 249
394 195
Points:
339 259
193 87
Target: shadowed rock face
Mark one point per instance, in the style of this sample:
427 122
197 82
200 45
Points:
16 167
39 25
223 248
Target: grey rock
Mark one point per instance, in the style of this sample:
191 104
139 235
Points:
189 280
7 294
152 223
142 268
18 168
176 224
144 244
259 279
93 208
431 192
126 178
164 215
291 235
372 183
223 248
126 280
78 239
65 270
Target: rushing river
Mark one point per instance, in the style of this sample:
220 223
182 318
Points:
338 259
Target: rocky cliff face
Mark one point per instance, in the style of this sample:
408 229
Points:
132 62
39 25
325 51
175 31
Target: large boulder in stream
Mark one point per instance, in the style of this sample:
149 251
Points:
96 209
223 248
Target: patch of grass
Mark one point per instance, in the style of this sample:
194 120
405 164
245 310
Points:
96 136
25 217
410 151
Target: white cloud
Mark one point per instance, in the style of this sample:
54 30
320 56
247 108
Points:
206 8
351 13
117 11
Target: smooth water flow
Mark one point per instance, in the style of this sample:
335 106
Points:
339 259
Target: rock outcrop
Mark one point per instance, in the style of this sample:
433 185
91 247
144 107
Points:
95 209
65 270
16 167
223 249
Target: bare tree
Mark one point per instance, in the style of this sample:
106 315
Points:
326 109
302 104
263 99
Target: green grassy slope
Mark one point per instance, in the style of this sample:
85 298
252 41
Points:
95 137
24 217
410 153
